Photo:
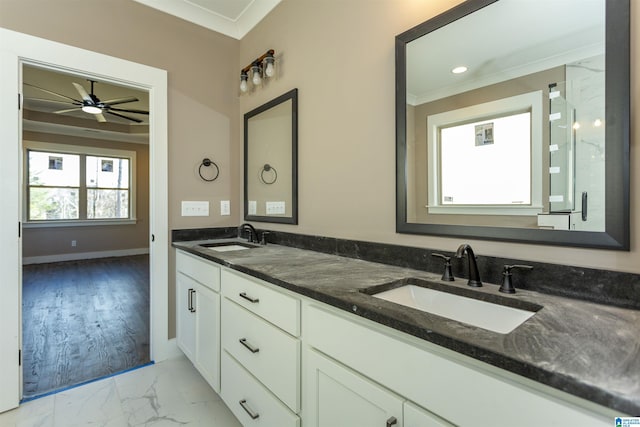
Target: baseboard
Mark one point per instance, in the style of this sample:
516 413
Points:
83 255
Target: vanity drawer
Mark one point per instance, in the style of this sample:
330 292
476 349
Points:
270 354
280 309
199 269
250 401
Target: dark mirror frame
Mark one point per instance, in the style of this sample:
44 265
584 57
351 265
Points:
617 116
293 219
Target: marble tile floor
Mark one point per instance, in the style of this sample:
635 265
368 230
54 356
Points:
170 393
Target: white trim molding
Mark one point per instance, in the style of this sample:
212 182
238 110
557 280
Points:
16 50
43 259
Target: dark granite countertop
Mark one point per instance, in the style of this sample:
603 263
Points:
585 349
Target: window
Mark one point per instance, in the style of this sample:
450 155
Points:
486 159
481 157
78 185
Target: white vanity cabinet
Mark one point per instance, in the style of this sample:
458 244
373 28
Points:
261 352
281 359
453 389
198 314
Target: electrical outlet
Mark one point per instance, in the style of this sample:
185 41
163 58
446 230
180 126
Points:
275 208
195 208
225 207
73 243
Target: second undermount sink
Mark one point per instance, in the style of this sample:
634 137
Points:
487 311
228 246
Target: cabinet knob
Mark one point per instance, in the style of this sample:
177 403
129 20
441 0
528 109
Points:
392 421
248 410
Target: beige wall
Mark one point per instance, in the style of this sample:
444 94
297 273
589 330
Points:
57 240
340 54
202 91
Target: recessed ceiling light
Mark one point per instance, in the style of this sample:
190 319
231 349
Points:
459 70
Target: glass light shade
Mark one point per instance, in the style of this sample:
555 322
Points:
257 77
269 70
91 109
243 82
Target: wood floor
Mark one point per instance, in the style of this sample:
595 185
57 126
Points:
82 320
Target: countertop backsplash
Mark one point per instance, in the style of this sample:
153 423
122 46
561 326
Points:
601 286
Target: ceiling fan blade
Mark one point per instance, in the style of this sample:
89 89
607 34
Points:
124 117
53 100
121 100
66 111
100 118
52 93
129 111
83 93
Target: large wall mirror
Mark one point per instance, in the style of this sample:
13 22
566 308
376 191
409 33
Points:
270 161
513 123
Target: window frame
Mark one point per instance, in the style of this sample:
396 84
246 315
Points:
83 151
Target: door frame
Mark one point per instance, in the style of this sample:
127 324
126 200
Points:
17 49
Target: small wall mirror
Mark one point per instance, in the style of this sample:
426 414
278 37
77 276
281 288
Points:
271 161
513 131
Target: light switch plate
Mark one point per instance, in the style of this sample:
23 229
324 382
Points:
253 207
195 208
225 207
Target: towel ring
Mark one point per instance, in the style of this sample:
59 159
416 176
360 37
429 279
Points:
207 163
268 168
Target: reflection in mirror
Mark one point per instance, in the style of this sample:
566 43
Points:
270 161
513 131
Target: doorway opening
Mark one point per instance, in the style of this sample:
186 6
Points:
85 240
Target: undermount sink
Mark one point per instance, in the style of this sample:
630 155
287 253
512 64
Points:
228 246
492 312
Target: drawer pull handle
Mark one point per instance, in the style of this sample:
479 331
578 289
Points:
248 298
248 410
392 421
251 348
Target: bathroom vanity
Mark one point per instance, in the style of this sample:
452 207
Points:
303 343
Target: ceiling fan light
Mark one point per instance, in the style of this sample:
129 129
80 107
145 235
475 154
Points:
91 109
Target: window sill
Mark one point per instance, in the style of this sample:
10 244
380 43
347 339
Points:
525 210
80 223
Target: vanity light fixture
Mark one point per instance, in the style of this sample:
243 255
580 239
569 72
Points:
459 70
261 67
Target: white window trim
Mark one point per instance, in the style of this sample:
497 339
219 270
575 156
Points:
80 149
529 101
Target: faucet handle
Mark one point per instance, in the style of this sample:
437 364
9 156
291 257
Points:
507 286
448 274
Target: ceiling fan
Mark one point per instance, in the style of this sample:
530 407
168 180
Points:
91 104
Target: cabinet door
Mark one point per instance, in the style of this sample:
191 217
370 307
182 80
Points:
339 397
207 335
185 315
